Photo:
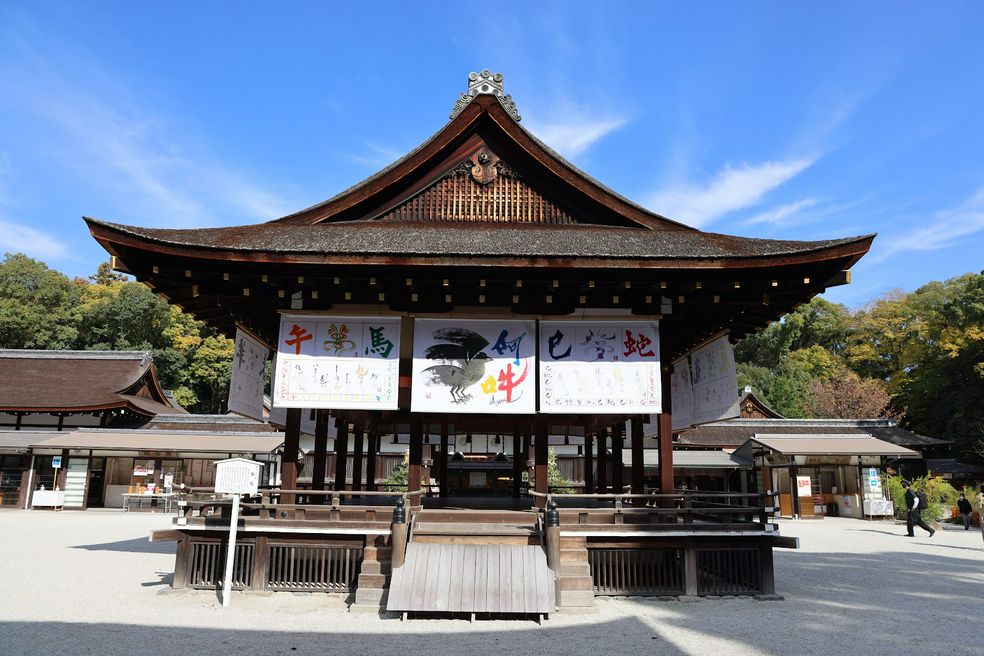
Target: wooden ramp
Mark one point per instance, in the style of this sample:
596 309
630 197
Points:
472 578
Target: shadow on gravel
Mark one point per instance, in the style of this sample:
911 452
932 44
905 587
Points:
136 545
627 637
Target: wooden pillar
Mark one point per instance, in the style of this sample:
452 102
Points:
618 463
603 461
442 468
540 455
589 485
341 452
416 457
288 462
320 451
665 437
357 458
794 490
372 450
518 463
638 456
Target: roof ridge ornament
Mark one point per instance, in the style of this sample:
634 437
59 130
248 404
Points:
486 83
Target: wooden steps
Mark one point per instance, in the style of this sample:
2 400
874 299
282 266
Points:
475 533
576 583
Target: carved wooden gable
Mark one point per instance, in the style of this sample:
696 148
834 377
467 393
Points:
480 189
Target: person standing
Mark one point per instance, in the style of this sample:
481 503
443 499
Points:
914 504
965 509
980 509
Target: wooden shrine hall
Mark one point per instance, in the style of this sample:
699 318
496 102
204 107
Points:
462 282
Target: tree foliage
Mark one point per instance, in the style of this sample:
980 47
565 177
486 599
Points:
917 356
41 308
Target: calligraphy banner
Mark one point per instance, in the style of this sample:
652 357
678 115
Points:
603 367
705 385
349 363
246 384
474 366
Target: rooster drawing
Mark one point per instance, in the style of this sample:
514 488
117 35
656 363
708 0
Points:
463 361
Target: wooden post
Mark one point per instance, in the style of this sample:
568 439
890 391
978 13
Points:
288 462
665 433
416 456
690 567
341 453
373 449
540 454
357 458
589 485
603 461
261 559
638 456
442 469
320 451
618 464
551 523
398 530
182 563
794 488
518 464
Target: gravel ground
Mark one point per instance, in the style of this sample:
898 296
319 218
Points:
79 583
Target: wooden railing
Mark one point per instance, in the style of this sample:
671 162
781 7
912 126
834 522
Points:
727 509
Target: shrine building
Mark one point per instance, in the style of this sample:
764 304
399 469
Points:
483 290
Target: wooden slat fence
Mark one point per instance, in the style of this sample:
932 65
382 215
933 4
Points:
637 571
728 571
314 567
208 565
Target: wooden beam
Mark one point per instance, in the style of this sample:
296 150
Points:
589 484
541 447
373 449
341 452
320 450
618 463
638 456
416 457
288 468
603 461
357 458
665 433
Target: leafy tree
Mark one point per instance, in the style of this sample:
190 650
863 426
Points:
556 483
848 396
36 305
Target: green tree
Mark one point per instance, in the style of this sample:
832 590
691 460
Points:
36 305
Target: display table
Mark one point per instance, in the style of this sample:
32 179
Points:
54 499
139 499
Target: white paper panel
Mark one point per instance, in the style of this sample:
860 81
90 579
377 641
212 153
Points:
246 384
609 367
705 388
337 362
473 366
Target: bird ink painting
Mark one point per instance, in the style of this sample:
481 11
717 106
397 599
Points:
462 361
483 366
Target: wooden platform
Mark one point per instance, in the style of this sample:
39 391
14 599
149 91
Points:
473 578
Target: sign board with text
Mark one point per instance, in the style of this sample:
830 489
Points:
237 476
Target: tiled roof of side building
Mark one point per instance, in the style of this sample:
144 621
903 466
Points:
734 432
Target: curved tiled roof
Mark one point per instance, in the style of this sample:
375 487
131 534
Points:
406 238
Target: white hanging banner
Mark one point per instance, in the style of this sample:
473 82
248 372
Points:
473 366
349 363
246 383
604 367
705 388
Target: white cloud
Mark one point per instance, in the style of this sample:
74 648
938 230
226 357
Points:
151 169
943 229
571 128
376 156
18 238
779 214
733 188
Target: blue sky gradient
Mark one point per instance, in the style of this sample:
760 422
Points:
785 120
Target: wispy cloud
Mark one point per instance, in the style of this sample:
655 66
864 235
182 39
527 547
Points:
156 171
779 214
376 155
572 133
732 188
943 229
16 236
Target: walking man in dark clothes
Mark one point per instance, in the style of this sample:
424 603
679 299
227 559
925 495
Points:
914 504
965 509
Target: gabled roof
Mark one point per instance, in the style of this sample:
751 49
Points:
752 407
734 432
169 441
80 381
827 445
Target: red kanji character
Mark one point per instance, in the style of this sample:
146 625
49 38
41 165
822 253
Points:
639 346
300 335
506 382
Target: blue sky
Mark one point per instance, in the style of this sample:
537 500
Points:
784 120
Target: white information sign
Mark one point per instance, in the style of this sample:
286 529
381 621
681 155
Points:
246 384
874 482
237 476
337 362
803 486
609 367
473 366
705 385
